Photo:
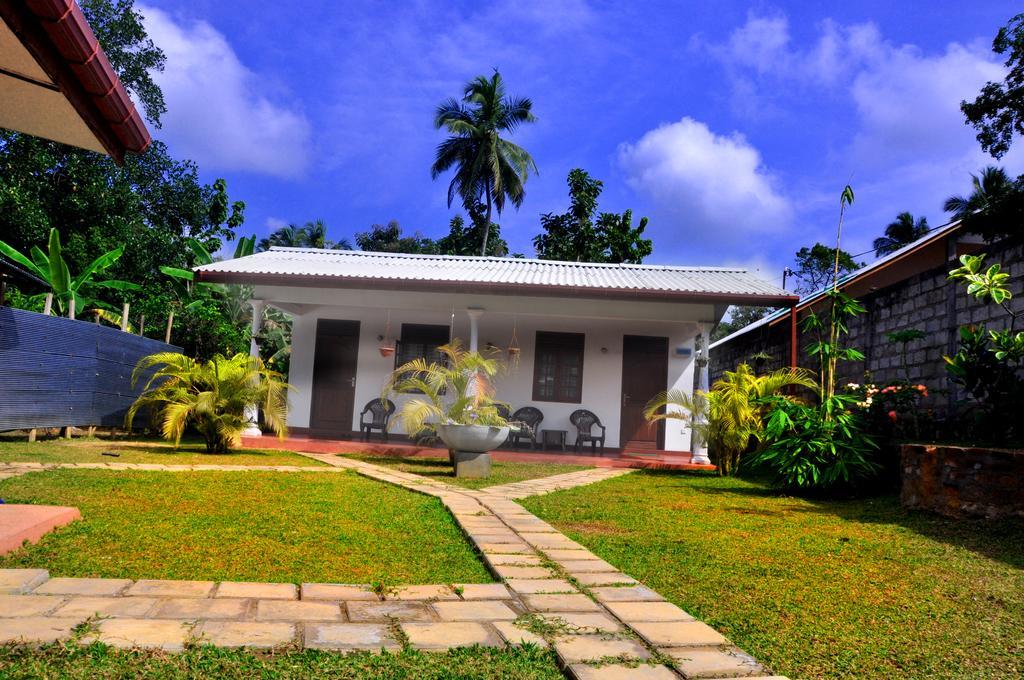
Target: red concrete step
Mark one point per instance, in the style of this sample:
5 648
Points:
20 523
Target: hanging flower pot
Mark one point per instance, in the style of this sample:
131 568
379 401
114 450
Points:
387 345
513 347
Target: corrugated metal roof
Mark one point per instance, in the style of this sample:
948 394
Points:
347 264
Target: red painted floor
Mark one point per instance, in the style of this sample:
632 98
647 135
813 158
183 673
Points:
20 523
655 460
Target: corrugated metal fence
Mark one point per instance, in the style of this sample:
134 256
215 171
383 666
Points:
56 371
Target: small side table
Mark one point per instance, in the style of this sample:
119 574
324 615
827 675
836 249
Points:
552 437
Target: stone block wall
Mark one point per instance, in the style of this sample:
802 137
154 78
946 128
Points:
963 482
927 301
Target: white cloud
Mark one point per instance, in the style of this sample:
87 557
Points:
711 192
217 112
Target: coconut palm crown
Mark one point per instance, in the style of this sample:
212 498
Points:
212 396
728 416
458 390
902 231
488 168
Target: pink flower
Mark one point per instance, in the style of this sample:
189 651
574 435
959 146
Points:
892 416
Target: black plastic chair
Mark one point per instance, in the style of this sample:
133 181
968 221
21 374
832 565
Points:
585 421
380 411
530 417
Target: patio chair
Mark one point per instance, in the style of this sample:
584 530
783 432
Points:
585 421
530 417
380 411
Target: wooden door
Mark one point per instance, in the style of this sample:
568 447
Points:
334 376
644 374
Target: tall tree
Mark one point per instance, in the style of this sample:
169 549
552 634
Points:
575 236
740 316
487 167
816 266
995 207
467 239
900 232
387 238
998 111
310 235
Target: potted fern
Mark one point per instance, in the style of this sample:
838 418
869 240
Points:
454 399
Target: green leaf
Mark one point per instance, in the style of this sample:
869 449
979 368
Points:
202 255
177 273
99 264
12 254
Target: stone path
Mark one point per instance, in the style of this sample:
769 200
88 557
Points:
602 623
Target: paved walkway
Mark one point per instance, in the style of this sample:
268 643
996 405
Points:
602 623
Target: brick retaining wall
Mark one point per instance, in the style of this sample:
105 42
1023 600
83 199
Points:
963 482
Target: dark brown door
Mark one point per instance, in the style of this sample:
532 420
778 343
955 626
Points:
644 374
334 376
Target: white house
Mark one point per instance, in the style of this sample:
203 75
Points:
604 337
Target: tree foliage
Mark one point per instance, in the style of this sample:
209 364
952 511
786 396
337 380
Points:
740 316
997 113
902 231
310 235
815 267
995 207
488 168
575 236
388 238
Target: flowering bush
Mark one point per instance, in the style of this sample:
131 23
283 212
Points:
893 409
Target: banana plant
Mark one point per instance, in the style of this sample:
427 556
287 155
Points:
187 288
52 268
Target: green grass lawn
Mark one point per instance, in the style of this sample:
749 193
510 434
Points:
441 469
91 450
815 589
99 661
245 526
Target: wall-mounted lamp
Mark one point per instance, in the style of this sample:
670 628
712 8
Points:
604 350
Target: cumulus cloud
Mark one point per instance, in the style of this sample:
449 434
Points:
708 189
217 112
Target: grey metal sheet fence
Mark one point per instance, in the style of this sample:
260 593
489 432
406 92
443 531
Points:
56 371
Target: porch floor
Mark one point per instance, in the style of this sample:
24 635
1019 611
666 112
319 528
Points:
648 459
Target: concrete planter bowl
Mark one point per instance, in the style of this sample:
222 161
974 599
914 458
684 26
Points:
470 446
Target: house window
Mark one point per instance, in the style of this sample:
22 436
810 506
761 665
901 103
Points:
558 367
420 341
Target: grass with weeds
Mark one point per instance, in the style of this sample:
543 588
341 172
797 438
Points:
243 526
814 588
99 661
441 469
135 450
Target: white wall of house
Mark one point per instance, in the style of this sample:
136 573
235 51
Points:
605 324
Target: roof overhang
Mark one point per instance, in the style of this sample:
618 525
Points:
9 271
493 288
56 82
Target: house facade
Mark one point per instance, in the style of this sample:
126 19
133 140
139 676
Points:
600 337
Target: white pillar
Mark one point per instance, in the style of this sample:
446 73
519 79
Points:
252 412
474 332
698 447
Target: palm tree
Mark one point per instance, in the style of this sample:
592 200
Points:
458 390
900 232
290 236
988 188
212 396
730 414
310 235
487 167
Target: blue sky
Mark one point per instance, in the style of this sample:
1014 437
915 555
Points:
732 126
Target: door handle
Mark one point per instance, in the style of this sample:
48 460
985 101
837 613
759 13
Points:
352 380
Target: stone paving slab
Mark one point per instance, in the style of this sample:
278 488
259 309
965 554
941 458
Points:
540 585
513 572
251 634
422 593
259 591
483 591
714 663
447 635
166 588
679 634
298 610
37 629
632 612
28 605
638 593
584 622
152 634
576 602
383 612
480 610
350 636
621 672
20 581
516 636
604 578
131 607
583 648
336 591
94 587
196 608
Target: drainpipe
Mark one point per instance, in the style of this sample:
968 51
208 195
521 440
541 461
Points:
793 354
474 314
698 447
252 411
